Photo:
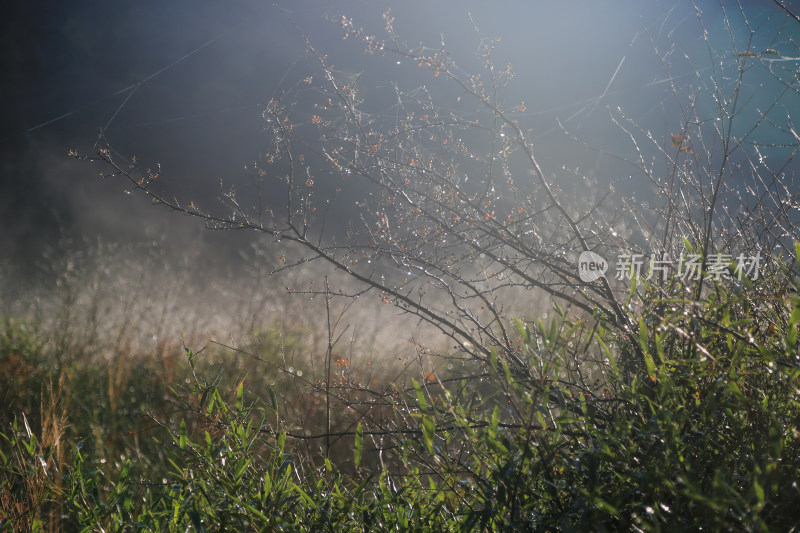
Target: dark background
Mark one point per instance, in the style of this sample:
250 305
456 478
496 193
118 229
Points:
66 65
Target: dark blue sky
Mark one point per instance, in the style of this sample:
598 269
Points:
68 67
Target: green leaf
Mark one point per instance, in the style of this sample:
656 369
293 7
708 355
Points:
651 367
643 334
357 446
607 351
241 468
303 494
605 506
126 466
659 347
273 398
632 290
190 356
521 328
183 439
428 430
423 405
30 446
507 371
735 390
240 396
797 251
648 358
791 336
211 402
759 491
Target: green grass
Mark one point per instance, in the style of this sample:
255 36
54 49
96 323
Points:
702 433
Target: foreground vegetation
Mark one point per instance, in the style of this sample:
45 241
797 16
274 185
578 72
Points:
705 434
644 402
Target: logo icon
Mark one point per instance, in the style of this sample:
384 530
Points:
591 267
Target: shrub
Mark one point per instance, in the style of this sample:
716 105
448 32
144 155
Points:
647 402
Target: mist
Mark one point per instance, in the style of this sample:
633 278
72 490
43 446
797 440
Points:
181 86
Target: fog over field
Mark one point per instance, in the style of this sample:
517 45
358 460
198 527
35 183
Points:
182 87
